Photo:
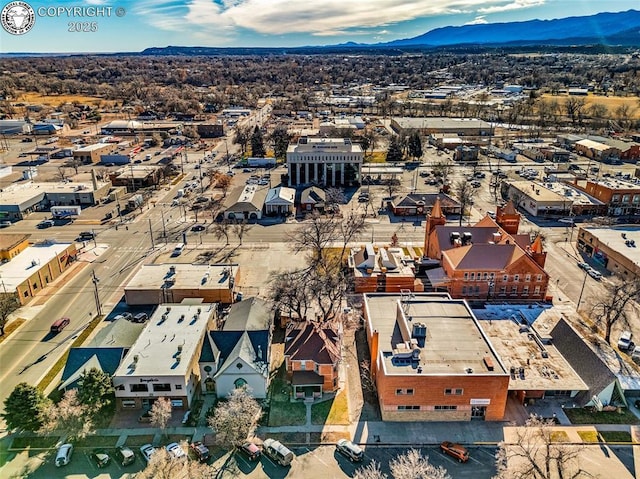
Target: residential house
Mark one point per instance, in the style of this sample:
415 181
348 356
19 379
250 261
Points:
238 354
421 204
311 199
280 201
81 360
312 354
245 203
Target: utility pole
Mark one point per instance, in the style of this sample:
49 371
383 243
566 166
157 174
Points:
164 227
151 234
96 295
581 291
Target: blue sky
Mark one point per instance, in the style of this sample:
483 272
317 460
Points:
271 23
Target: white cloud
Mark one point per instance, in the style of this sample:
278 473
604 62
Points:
319 18
479 20
513 5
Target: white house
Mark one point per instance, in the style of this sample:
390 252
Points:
280 200
238 355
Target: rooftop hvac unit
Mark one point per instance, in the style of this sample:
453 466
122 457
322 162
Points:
180 348
181 318
419 330
468 370
466 237
199 310
172 270
178 358
135 358
454 236
168 309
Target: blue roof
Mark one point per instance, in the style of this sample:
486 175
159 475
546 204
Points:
107 358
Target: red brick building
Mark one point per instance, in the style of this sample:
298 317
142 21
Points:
431 360
312 353
619 196
486 261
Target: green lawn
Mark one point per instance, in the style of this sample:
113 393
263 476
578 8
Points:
97 441
616 436
38 442
287 413
584 416
335 411
133 441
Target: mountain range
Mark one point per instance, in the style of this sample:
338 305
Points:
604 29
622 28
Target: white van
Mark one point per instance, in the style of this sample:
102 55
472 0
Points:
277 451
177 251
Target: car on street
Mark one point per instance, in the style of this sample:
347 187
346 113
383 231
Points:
175 451
583 265
624 343
476 184
147 451
198 228
100 458
45 224
201 199
568 221
455 450
250 450
124 456
5 224
63 456
200 451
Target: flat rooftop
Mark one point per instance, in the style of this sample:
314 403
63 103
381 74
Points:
183 276
519 349
612 237
166 346
455 343
531 188
8 241
24 265
576 196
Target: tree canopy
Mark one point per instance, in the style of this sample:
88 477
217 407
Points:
25 408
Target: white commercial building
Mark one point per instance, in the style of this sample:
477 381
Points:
163 362
326 161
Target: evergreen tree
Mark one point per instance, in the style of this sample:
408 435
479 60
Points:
394 152
415 145
94 388
257 143
25 408
280 139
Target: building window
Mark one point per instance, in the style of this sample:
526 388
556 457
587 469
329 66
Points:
536 290
128 404
303 366
503 290
139 388
514 290
516 278
636 199
615 198
505 277
477 290
408 408
527 278
473 276
399 392
464 290
163 387
178 386
492 276
409 392
525 291
453 392
625 198
445 408
485 276
466 276
539 278
238 383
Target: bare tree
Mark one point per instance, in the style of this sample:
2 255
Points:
574 106
161 413
234 418
392 185
8 304
163 466
614 305
465 192
534 454
241 228
413 465
221 230
335 196
69 415
366 378
370 471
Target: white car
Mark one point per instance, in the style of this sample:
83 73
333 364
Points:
63 457
175 451
147 451
594 274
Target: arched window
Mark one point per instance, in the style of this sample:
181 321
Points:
238 383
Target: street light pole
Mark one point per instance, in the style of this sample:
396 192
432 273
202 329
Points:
96 295
151 235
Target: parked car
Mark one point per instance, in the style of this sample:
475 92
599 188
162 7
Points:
86 235
140 318
351 451
624 343
100 457
175 451
198 227
250 450
63 456
455 450
145 416
124 456
200 450
583 265
594 274
278 452
126 315
147 451
5 224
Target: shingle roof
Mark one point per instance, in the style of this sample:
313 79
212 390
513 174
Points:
313 342
81 359
248 315
483 256
313 194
